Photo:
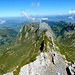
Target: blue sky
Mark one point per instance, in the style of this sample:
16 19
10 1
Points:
36 7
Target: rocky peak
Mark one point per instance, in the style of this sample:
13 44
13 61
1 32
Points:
45 26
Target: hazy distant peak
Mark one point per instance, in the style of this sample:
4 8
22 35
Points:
43 25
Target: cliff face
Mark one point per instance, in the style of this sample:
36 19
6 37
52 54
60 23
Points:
34 53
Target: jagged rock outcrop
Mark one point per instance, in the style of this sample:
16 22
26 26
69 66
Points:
71 69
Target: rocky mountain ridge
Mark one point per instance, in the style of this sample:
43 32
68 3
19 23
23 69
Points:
34 52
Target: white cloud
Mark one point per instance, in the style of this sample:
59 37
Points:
25 14
29 17
32 4
44 18
71 17
36 4
2 21
33 19
67 13
60 14
72 12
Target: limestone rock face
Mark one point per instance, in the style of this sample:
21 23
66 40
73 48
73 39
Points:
45 64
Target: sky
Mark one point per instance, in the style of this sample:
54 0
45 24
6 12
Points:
36 7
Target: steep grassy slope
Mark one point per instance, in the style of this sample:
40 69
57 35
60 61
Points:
67 42
29 43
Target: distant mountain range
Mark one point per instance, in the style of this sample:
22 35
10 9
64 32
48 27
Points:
17 22
67 18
